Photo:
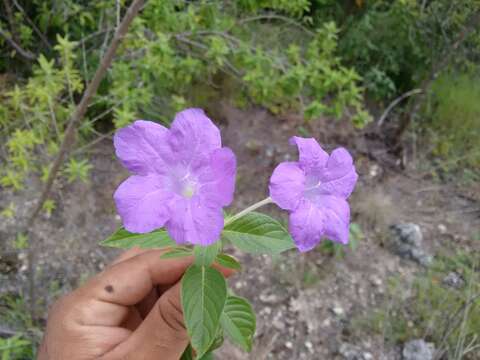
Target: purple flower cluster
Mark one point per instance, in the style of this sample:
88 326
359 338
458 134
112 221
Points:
314 190
182 177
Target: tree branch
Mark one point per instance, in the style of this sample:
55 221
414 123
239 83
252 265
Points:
69 137
25 53
32 24
277 17
395 103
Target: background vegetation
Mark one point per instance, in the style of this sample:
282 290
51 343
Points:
343 60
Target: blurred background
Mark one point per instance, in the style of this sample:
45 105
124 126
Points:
395 82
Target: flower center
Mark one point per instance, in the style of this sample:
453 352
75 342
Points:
312 183
189 189
183 182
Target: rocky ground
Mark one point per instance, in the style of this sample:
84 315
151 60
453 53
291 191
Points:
306 304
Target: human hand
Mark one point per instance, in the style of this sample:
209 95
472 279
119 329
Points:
131 310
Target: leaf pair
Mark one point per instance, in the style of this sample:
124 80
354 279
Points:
207 309
255 233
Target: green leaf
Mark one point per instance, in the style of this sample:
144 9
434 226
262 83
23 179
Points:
257 233
126 240
207 356
239 322
228 261
356 235
205 255
187 354
177 252
204 292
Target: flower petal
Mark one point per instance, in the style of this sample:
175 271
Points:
339 177
142 146
306 225
193 136
310 153
337 218
217 181
194 222
287 185
142 203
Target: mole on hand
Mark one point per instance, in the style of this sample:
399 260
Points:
109 288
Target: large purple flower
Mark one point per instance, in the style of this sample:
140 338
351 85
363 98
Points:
314 190
181 178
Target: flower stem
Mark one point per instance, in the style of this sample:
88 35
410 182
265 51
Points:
248 210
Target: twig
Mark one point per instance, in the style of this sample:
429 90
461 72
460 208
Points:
86 38
395 103
204 47
94 142
25 53
276 17
11 22
32 24
70 131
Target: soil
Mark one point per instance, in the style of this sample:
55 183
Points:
305 303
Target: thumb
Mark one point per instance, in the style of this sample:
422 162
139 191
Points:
162 335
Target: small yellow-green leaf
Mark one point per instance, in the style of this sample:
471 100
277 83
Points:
228 261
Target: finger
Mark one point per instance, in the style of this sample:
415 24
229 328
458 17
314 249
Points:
129 254
129 281
133 319
106 298
148 302
162 335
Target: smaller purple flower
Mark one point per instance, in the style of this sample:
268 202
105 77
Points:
314 190
182 177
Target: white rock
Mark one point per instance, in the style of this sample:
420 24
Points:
338 311
442 228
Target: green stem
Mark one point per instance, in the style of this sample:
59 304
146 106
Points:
248 210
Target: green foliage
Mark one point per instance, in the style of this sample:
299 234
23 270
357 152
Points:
338 250
204 292
172 51
15 348
14 315
381 45
9 211
258 233
126 240
77 170
49 206
394 44
453 110
34 116
177 54
21 242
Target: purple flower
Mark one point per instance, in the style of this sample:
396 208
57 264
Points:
181 178
314 190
